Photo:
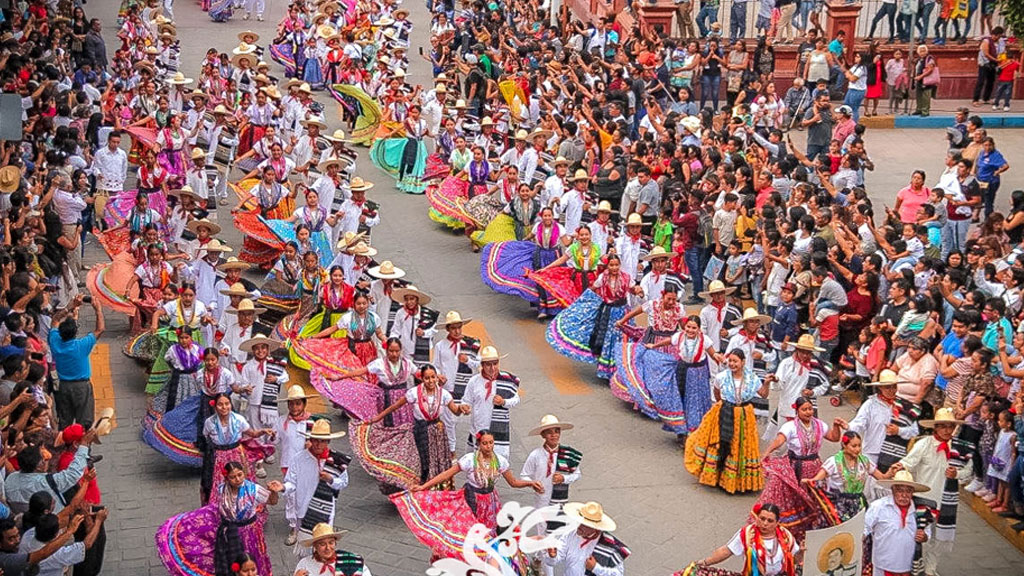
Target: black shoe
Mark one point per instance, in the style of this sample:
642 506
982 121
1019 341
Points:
1018 526
915 113
87 298
1011 514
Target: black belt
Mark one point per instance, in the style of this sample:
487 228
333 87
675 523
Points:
470 492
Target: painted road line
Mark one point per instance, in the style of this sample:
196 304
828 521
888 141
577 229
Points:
559 369
102 382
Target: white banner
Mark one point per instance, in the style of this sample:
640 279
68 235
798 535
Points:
835 551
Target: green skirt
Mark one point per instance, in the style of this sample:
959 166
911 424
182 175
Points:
160 371
501 229
315 324
387 154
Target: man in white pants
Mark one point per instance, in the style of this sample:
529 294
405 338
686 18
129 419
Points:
254 5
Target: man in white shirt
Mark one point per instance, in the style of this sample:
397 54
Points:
46 530
69 208
629 246
554 185
110 167
306 472
891 523
874 419
575 202
578 552
302 147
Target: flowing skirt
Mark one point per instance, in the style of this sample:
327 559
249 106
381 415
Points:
356 397
501 229
483 209
369 117
283 54
563 284
650 378
115 285
220 10
284 231
782 487
585 332
175 162
142 347
120 206
739 470
186 542
503 267
441 519
174 434
312 73
403 158
278 296
436 168
448 203
394 455
160 371
331 351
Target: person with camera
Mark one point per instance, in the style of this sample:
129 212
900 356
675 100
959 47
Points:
75 402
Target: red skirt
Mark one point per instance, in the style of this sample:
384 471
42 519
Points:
365 351
563 283
248 136
441 519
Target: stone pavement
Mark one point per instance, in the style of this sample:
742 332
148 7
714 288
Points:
632 467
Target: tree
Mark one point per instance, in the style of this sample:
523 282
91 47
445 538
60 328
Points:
1013 16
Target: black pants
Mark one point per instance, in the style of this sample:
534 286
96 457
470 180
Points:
986 81
93 563
75 403
887 11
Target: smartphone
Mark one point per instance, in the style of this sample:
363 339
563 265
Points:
421 50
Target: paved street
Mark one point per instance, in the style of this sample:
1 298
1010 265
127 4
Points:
630 465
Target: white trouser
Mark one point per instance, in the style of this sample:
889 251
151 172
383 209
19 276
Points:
256 6
169 9
450 421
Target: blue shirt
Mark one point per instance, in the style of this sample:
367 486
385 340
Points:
72 357
953 346
988 163
785 323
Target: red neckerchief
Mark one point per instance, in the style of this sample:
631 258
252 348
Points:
635 239
720 309
241 333
262 367
454 342
588 541
942 447
423 406
552 458
329 564
903 513
300 418
803 365
388 287
749 338
490 386
209 378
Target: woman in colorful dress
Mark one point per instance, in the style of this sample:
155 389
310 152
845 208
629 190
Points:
404 157
279 293
334 298
178 433
846 476
669 379
153 276
260 150
665 317
185 312
766 547
586 330
571 273
503 264
724 451
411 454
513 222
440 519
153 175
170 146
489 223
225 433
802 437
389 378
211 539
184 357
360 325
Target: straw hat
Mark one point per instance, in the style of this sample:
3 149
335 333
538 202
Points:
245 305
716 287
538 133
184 191
179 79
590 514
10 179
581 174
243 48
325 31
144 65
295 392
329 7
197 153
233 263
386 271
193 226
749 315
337 136
903 478
102 423
151 50
248 37
634 220
262 78
522 134
550 421
487 121
362 249
460 104
323 166
249 344
453 317
886 378
222 110
441 88
237 289
692 124
198 94
261 65
842 542
560 161
237 60
358 183
490 354
604 206
305 87
659 252
292 83
271 92
806 342
399 294
401 12
323 529
942 416
350 239
322 431
215 245
314 121
385 21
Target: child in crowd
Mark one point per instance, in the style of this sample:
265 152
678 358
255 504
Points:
1000 462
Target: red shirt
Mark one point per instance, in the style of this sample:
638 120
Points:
1006 72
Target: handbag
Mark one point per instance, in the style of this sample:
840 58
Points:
932 78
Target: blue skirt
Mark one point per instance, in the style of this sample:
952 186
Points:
585 332
174 434
652 379
503 266
312 73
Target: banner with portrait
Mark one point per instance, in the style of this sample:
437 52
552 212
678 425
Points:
835 551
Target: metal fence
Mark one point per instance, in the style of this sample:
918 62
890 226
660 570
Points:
752 14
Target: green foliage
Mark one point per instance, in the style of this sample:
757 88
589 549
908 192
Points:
1013 16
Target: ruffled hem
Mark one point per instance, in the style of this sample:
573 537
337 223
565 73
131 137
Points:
357 397
441 519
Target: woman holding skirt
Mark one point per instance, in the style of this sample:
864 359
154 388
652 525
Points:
360 325
410 454
669 379
664 318
207 541
802 437
724 451
586 330
334 298
572 272
441 519
393 376
405 158
226 433
503 265
485 209
846 476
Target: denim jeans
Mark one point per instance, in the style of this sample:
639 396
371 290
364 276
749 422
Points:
904 26
957 234
887 11
989 196
815 151
737 22
924 14
803 15
692 258
707 16
983 85
972 7
1003 92
710 86
854 98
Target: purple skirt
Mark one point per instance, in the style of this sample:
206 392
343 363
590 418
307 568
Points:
186 542
503 266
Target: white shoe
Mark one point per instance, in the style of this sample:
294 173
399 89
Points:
246 17
1006 108
259 18
990 497
260 472
974 486
983 493
290 539
269 459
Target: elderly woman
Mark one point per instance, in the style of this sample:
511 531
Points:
916 369
925 81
